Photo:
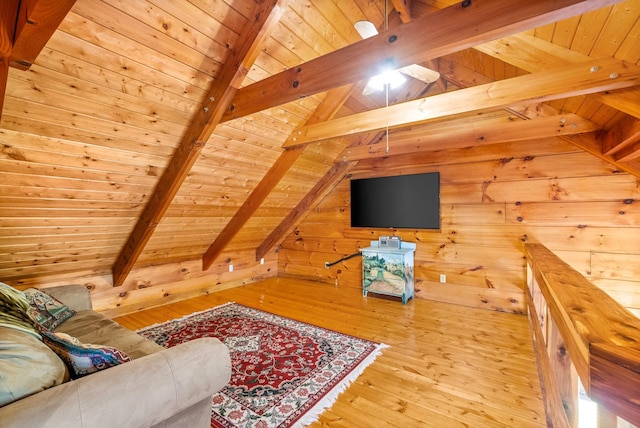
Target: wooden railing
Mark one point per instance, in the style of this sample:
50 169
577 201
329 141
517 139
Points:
580 330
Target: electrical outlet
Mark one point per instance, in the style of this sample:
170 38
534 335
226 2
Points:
230 268
262 260
443 278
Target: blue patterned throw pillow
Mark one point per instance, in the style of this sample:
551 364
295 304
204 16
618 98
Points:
45 310
81 358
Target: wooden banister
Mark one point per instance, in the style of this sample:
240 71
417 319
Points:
600 336
615 379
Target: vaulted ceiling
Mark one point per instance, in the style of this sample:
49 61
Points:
139 132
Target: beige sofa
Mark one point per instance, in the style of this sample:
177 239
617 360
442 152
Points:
158 388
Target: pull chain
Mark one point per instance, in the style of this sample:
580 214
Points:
386 93
386 86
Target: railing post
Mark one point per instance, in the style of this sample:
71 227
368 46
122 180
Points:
538 314
565 373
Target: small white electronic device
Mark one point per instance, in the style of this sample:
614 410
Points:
390 242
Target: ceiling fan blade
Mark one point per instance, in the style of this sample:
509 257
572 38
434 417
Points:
366 29
421 73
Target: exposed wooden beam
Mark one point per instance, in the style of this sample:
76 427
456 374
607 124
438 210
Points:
621 140
533 54
442 84
332 102
339 169
251 204
36 23
8 11
329 180
4 75
629 154
266 15
619 144
468 131
322 187
403 7
460 75
325 111
589 142
580 79
625 100
432 36
25 27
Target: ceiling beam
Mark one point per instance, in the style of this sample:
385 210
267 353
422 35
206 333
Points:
441 82
265 16
330 179
334 100
471 131
590 143
325 111
580 79
36 23
278 170
440 33
403 8
533 54
25 27
8 11
621 141
623 134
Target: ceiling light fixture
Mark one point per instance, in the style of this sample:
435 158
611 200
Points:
389 76
392 78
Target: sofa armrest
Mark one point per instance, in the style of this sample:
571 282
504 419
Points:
140 393
74 296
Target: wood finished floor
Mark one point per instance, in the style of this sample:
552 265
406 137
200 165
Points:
446 365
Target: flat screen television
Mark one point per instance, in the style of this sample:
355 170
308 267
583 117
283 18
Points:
403 201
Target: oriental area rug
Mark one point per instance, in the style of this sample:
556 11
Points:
284 372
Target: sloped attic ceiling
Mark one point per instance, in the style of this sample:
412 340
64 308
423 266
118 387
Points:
148 132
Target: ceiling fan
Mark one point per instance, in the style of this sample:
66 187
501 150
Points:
393 78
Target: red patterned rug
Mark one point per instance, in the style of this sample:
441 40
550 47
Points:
285 372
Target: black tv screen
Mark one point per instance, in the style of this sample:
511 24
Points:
403 201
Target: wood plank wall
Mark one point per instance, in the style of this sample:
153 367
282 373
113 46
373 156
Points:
493 200
156 285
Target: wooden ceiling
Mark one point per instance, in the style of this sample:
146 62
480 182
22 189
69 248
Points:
141 132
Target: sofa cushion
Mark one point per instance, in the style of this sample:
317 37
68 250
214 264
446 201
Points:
14 310
93 327
83 358
27 365
45 310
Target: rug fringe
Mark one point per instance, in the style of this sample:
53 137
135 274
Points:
327 401
183 318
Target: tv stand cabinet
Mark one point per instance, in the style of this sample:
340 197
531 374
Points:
388 271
